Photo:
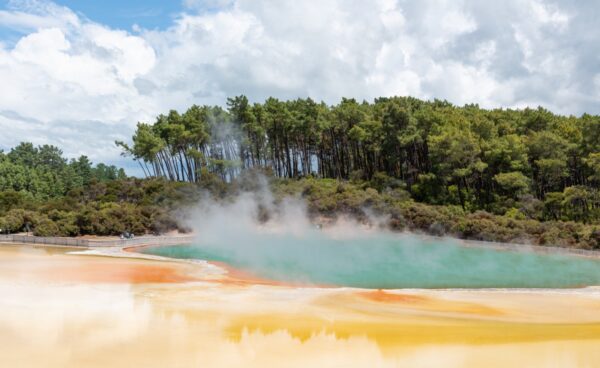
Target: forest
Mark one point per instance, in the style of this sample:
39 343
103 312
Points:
42 172
526 163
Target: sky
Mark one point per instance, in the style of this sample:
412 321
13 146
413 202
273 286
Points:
81 74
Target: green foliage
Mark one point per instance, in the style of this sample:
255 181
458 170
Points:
44 192
331 198
593 163
43 226
514 183
439 153
514 213
42 173
102 207
15 220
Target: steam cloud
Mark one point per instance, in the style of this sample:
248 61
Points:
278 240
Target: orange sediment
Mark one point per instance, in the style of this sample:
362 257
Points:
387 297
236 276
240 277
233 276
116 272
426 303
56 265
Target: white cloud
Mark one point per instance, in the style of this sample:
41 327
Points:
549 14
32 14
69 71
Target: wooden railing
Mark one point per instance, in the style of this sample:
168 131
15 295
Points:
79 242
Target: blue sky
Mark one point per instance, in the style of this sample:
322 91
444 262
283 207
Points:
124 14
79 75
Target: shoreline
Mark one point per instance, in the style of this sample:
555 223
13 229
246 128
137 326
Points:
226 274
247 277
184 239
130 248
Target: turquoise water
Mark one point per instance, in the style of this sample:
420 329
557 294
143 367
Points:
390 261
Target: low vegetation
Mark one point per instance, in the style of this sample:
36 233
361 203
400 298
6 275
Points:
497 175
392 207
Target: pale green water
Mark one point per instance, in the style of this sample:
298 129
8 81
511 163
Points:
391 261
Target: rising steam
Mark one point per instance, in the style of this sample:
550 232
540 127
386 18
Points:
276 239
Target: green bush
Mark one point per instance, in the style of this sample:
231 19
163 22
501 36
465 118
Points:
45 227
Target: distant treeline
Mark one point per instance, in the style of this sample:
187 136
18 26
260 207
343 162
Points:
524 163
42 172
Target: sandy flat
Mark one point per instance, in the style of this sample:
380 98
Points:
65 310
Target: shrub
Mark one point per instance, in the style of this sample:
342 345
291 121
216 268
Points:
45 227
514 213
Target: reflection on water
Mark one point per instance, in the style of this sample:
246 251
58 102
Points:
84 322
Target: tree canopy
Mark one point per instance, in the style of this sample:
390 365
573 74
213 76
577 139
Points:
42 172
494 160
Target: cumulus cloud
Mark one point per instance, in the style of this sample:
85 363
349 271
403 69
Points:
68 79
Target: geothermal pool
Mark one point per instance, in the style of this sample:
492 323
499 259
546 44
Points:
387 261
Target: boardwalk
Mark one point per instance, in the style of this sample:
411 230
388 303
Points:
91 243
